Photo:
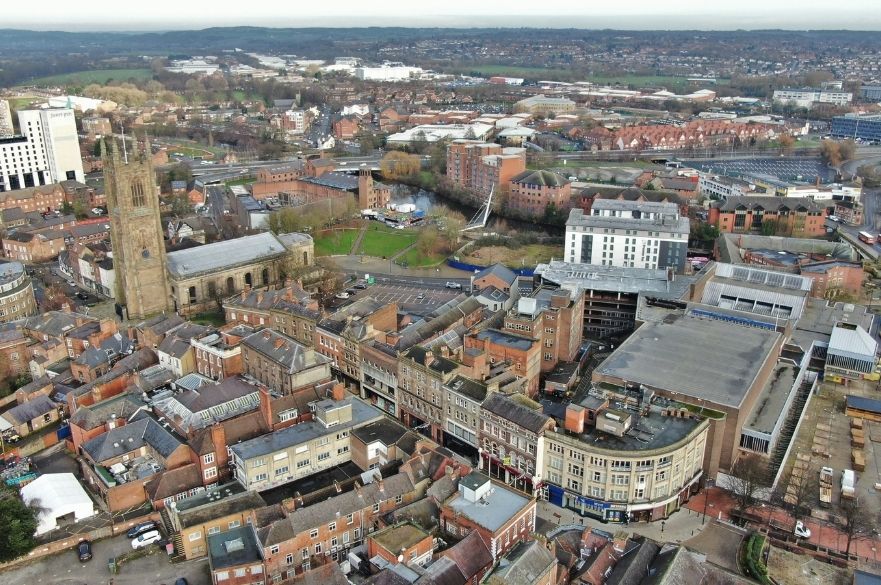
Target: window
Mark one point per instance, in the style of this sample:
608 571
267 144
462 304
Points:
346 537
289 559
240 572
282 470
313 533
234 524
318 548
210 472
194 536
375 508
213 530
399 499
303 463
304 553
273 549
332 526
221 575
350 519
323 456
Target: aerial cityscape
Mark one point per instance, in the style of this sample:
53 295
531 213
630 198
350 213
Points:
440 294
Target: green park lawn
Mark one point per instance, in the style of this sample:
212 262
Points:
413 258
100 76
383 242
335 242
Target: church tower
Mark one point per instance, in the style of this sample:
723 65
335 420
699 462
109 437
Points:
135 232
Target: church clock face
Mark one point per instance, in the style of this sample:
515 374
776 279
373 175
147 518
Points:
145 244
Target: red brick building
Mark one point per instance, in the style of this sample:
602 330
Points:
833 278
43 198
531 192
346 128
480 166
501 516
522 353
403 543
553 317
775 216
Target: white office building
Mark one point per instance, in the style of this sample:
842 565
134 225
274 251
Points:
388 71
806 98
628 234
47 150
6 129
720 187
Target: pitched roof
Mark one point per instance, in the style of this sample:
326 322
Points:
499 270
30 410
330 509
524 417
173 482
540 178
129 437
284 351
470 554
525 563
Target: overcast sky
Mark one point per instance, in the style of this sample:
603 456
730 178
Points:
630 14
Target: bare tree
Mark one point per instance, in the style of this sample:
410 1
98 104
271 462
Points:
856 522
748 475
801 492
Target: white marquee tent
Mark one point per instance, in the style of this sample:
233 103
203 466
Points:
57 495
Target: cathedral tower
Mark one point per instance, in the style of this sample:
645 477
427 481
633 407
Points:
136 233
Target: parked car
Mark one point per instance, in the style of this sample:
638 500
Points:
455 285
360 286
342 295
139 529
181 581
146 539
420 296
82 296
84 550
97 211
801 530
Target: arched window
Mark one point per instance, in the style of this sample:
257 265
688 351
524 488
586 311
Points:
265 277
248 279
192 294
138 199
230 285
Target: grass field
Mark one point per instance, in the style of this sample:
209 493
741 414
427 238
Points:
413 258
527 256
18 103
95 76
190 151
335 242
214 319
383 242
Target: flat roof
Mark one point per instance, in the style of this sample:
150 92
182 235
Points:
234 547
698 357
861 403
769 406
304 432
396 538
498 507
613 278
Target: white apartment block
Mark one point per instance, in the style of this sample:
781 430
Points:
628 234
6 129
806 98
721 187
47 151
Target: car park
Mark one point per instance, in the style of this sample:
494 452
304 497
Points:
84 550
139 529
146 539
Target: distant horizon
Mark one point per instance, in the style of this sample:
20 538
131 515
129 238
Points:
636 15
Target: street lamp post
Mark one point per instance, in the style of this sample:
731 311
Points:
706 499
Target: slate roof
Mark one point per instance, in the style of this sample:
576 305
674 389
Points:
499 270
90 417
173 481
129 437
284 351
320 513
524 417
386 431
30 410
525 563
540 178
767 203
634 565
470 554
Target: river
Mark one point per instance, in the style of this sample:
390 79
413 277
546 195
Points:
427 200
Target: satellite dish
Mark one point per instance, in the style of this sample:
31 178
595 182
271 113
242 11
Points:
400 558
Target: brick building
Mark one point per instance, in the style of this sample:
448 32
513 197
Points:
531 192
281 363
403 543
522 353
775 216
479 166
508 437
554 317
501 516
421 378
43 198
832 278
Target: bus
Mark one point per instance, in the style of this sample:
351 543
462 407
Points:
868 238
